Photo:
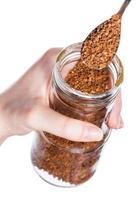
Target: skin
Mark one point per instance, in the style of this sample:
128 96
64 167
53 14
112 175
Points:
23 107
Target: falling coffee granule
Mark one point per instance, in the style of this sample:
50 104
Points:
88 80
74 162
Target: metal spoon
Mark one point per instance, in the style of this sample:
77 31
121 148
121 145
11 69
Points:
123 7
102 43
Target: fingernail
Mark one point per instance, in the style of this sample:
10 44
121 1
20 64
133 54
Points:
93 134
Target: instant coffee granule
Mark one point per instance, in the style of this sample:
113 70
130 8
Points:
67 160
102 43
72 161
88 80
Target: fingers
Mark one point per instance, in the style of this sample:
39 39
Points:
44 118
115 120
46 63
48 60
38 77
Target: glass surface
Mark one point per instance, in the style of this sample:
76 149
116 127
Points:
66 163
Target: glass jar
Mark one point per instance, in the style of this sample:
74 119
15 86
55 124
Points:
66 163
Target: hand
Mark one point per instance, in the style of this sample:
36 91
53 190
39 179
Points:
23 107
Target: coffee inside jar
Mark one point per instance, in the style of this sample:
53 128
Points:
67 161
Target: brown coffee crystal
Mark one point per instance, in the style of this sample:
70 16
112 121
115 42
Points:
102 43
69 161
89 80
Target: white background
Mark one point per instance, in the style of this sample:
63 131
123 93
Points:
27 29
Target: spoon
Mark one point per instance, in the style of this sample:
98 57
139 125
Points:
123 7
102 43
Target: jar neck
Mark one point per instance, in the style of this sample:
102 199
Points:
71 54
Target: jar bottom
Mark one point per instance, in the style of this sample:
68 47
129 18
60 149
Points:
50 179
50 164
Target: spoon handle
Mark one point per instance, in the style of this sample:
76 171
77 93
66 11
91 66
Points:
123 7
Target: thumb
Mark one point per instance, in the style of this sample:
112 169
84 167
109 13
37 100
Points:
46 119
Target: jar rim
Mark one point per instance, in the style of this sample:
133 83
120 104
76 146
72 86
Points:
60 82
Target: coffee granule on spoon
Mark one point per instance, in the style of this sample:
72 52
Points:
102 43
